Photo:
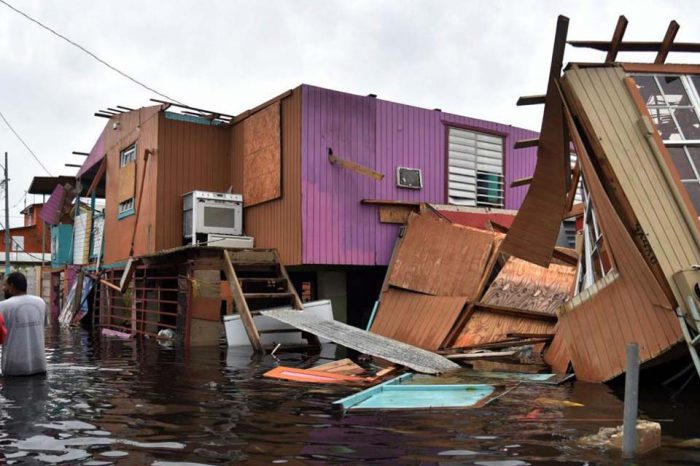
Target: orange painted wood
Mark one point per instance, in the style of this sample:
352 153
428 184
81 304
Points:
632 307
417 319
314 376
440 258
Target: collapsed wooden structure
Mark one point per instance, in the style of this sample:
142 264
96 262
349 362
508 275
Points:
635 131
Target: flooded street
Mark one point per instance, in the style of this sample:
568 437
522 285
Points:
108 401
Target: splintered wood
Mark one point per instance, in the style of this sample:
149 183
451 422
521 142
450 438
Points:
519 285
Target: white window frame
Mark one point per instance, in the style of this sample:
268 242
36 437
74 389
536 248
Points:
462 172
127 155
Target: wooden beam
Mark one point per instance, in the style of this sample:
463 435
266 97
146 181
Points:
521 182
75 152
525 143
616 39
98 177
604 46
671 68
74 165
381 202
576 211
241 305
573 187
356 167
667 42
125 108
530 100
536 315
507 343
103 115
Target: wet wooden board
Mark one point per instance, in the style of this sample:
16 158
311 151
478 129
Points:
630 306
417 319
440 259
368 343
485 326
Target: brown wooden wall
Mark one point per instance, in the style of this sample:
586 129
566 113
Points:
276 223
191 157
140 127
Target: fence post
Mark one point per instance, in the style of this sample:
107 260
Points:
629 429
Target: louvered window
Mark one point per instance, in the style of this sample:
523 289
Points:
475 168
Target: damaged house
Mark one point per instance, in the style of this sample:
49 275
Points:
327 179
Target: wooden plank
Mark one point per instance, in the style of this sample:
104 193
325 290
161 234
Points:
481 355
495 366
314 376
343 366
380 202
636 46
521 182
395 214
573 187
366 342
355 167
98 177
667 43
127 182
616 39
296 301
669 68
536 226
507 343
530 100
241 305
575 211
515 312
525 143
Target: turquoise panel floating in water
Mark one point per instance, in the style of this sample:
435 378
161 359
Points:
395 394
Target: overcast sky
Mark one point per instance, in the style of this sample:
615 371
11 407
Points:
467 57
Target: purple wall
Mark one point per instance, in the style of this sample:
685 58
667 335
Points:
337 228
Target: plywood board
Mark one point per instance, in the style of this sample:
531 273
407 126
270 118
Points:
372 344
395 214
629 307
127 182
439 258
417 319
262 156
523 285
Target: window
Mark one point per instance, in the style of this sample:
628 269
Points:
674 104
126 208
475 168
409 178
127 156
17 244
595 262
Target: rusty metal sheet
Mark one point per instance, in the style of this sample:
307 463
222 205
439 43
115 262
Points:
397 352
439 258
417 319
624 307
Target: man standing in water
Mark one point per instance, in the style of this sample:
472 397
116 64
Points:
24 316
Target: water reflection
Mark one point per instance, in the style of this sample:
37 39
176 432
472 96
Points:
134 402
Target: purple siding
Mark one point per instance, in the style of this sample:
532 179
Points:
96 154
337 228
51 212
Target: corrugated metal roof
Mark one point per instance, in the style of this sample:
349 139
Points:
97 153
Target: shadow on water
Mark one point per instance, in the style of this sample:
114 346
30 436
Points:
109 401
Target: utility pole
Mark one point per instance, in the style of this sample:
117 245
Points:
7 221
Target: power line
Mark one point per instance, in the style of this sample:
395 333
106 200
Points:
24 143
113 68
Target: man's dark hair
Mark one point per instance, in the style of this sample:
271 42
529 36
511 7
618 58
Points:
18 280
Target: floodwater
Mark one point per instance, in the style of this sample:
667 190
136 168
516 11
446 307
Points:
108 401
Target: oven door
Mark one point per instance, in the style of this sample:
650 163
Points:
219 218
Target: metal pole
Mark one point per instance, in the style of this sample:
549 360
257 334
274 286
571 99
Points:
43 234
7 221
629 429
